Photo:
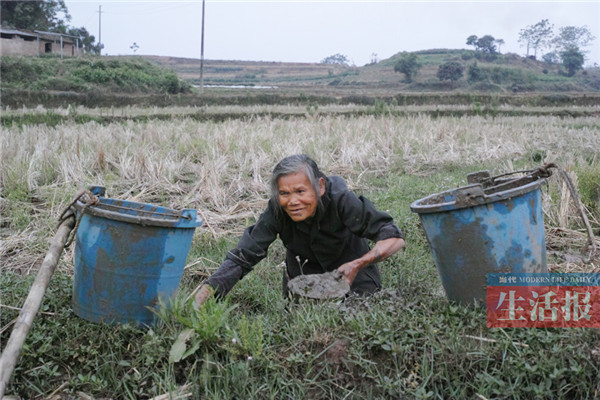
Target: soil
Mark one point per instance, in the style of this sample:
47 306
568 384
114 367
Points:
329 285
338 351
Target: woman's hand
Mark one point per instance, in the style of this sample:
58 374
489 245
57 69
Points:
203 294
349 271
382 250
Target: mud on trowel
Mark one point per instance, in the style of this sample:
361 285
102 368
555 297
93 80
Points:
329 285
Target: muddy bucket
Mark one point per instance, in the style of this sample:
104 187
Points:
490 225
128 255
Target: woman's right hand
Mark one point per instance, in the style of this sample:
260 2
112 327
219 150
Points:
203 294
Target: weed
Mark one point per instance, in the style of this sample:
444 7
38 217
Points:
589 186
312 108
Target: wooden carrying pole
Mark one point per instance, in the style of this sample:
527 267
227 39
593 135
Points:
32 303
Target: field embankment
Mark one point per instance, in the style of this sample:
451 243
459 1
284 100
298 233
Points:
432 105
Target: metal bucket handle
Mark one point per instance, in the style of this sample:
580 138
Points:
486 180
168 218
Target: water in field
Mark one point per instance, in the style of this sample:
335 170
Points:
239 86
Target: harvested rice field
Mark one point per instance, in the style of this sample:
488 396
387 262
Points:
407 341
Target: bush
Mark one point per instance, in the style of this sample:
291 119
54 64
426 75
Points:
475 74
24 71
500 76
450 71
408 65
171 84
467 55
61 84
82 74
522 87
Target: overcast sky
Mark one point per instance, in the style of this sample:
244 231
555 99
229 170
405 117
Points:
309 31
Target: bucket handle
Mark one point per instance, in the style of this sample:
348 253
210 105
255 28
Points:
181 214
100 191
541 172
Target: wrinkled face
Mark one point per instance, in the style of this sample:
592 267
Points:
297 197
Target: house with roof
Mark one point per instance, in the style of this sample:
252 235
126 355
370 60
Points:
22 42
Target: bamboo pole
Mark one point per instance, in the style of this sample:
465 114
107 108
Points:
32 304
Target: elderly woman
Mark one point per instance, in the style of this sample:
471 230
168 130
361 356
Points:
323 226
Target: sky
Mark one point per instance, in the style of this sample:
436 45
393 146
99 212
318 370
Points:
309 31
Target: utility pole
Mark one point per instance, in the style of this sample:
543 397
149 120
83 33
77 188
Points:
202 53
100 29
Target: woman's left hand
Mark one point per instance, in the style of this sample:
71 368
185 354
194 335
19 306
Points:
382 250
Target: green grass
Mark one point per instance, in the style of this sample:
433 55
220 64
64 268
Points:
406 342
589 185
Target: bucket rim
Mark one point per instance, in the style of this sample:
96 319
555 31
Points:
421 206
141 213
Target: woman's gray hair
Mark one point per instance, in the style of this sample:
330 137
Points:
291 165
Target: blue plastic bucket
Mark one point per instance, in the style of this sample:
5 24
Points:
488 226
128 255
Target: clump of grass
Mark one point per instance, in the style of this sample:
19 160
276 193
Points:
589 186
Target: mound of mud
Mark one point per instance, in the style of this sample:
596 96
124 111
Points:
329 285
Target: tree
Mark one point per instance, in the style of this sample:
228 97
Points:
572 37
450 71
86 40
134 47
472 41
407 65
374 58
47 15
484 46
500 42
536 36
551 58
572 60
338 58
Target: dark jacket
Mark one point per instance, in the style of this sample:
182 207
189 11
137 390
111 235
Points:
337 234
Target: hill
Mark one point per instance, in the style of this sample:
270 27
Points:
167 81
507 73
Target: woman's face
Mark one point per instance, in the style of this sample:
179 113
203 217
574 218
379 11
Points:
297 196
